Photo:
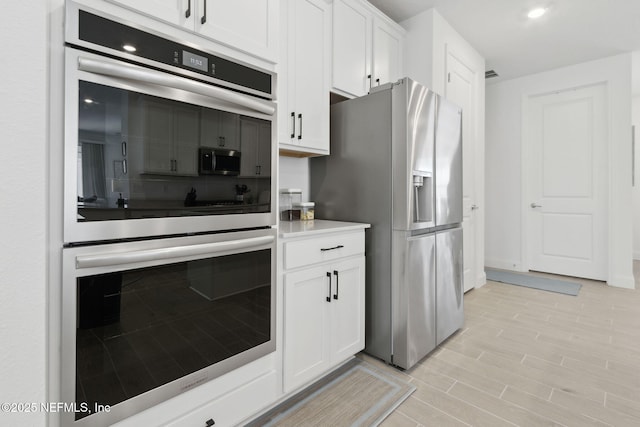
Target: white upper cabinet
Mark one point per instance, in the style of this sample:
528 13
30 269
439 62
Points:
367 48
352 26
387 53
246 25
304 129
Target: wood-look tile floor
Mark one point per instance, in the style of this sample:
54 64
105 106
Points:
532 358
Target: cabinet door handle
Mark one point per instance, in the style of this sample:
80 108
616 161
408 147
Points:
330 249
377 82
300 134
259 169
222 141
335 296
204 13
124 166
329 297
188 11
123 147
293 124
369 77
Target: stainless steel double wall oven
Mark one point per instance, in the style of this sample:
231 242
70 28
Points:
168 269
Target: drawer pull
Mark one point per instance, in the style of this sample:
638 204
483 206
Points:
330 249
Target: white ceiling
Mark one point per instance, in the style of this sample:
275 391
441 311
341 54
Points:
571 32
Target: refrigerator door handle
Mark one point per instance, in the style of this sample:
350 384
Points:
329 297
335 296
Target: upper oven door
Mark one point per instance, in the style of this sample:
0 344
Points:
131 161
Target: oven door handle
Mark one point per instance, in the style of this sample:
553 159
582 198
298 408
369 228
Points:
163 254
145 75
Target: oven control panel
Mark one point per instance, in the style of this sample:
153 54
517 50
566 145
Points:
104 32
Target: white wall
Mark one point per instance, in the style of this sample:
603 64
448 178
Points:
636 189
418 48
503 160
23 269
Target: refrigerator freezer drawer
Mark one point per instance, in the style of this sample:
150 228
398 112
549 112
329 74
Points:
449 291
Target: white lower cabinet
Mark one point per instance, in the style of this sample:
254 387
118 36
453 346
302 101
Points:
323 310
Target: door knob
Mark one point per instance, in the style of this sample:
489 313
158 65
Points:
535 205
474 207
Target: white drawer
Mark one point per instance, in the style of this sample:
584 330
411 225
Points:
322 248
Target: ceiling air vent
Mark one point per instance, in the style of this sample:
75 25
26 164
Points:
490 74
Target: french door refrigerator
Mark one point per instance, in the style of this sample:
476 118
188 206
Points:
396 163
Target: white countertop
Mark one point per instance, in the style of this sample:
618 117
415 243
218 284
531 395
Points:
287 229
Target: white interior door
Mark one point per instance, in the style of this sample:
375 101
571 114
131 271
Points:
459 89
567 163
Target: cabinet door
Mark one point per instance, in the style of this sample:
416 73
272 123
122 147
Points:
387 53
157 132
186 140
249 135
347 308
306 341
263 154
352 26
177 12
209 126
309 56
228 130
247 25
219 129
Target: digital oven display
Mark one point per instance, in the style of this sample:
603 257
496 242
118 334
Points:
195 61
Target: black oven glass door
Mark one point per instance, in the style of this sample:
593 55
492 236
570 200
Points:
139 329
132 153
138 157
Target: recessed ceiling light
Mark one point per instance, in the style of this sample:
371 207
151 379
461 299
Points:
129 48
537 12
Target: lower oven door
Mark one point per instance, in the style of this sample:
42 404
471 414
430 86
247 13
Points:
145 321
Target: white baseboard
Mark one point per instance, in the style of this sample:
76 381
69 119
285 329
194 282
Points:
503 264
481 280
626 282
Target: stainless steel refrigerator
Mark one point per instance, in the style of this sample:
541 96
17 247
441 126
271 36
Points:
396 163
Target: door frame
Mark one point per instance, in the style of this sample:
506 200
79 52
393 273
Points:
465 58
525 171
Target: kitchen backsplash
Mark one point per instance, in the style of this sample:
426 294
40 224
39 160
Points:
294 173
